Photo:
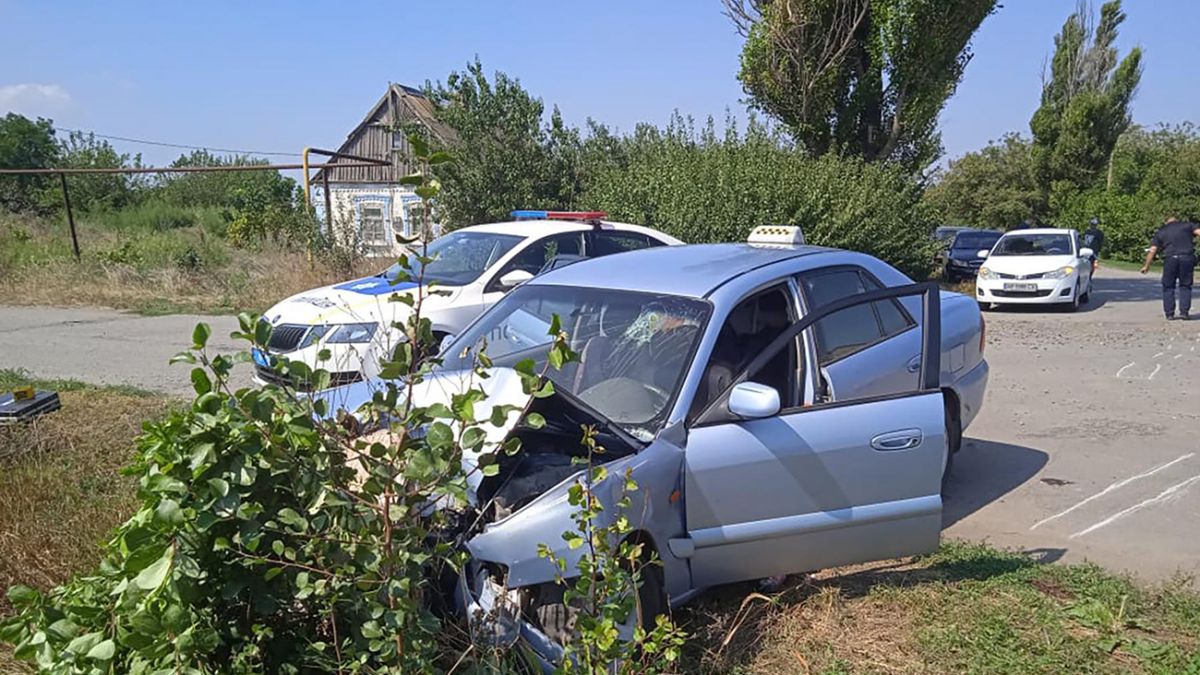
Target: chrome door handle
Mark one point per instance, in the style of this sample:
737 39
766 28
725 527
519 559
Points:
914 364
904 439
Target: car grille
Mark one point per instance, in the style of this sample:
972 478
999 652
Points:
335 379
286 336
1022 294
1039 275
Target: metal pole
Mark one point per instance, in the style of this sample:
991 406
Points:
70 216
328 203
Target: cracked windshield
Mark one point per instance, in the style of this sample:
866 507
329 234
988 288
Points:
633 347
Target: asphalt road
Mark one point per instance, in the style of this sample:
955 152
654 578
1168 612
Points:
1086 447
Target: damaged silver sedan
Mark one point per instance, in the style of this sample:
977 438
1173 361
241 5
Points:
782 408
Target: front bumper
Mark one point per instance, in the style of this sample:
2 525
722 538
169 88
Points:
1026 291
346 364
494 617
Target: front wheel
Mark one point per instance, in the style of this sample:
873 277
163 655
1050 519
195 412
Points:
1075 299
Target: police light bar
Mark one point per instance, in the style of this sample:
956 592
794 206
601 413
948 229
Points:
787 235
527 214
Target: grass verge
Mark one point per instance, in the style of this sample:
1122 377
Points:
61 490
966 608
151 270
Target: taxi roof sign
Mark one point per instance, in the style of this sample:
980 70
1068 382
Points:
789 235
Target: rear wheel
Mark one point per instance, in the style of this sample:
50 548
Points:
953 437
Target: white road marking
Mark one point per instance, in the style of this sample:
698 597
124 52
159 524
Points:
1115 486
1163 496
1122 369
1157 368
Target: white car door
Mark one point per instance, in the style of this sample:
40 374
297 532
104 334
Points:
815 486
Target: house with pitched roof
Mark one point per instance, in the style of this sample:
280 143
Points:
370 207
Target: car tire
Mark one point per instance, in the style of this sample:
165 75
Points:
953 438
985 306
558 620
1087 295
1073 305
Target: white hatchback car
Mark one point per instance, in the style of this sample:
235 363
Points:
475 265
1036 266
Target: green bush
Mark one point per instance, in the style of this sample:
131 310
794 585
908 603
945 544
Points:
702 187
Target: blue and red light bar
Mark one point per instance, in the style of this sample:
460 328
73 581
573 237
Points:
528 214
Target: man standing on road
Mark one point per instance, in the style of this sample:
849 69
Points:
1176 240
1093 238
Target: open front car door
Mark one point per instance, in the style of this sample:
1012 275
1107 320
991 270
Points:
771 491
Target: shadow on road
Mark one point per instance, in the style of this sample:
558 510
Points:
985 471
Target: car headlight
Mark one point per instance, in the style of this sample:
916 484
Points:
1060 273
351 333
985 273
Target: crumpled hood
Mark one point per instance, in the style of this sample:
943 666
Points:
502 387
355 301
1028 264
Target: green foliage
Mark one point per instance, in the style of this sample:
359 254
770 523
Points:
505 157
609 578
271 539
710 187
867 78
25 144
1085 105
96 192
992 188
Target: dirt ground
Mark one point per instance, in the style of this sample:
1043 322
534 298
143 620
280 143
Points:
1087 444
1086 447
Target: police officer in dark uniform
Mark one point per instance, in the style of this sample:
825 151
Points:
1093 238
1176 240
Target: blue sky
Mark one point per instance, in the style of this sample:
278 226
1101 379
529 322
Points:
277 76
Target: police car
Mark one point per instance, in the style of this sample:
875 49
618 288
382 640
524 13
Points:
473 267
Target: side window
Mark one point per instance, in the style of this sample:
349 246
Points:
856 328
750 327
535 256
607 242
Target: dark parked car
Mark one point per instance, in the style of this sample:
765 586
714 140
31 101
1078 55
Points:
962 259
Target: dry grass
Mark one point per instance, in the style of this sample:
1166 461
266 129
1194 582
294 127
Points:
968 608
185 269
61 490
253 281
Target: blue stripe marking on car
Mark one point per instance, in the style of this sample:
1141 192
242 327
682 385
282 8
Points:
374 286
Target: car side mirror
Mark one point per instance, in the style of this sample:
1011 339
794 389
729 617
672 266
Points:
751 400
446 342
514 278
983 253
1086 252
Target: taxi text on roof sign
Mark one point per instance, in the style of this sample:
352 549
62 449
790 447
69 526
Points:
776 234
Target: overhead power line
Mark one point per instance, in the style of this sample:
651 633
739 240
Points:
178 145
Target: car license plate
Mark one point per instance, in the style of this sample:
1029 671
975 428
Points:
1020 287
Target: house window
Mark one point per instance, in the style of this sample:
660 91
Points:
373 225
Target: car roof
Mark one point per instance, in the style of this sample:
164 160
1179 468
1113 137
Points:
1042 230
693 270
540 227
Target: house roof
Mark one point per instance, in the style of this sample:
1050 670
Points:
398 102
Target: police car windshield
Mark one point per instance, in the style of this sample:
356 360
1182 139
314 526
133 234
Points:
1033 244
459 257
634 348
